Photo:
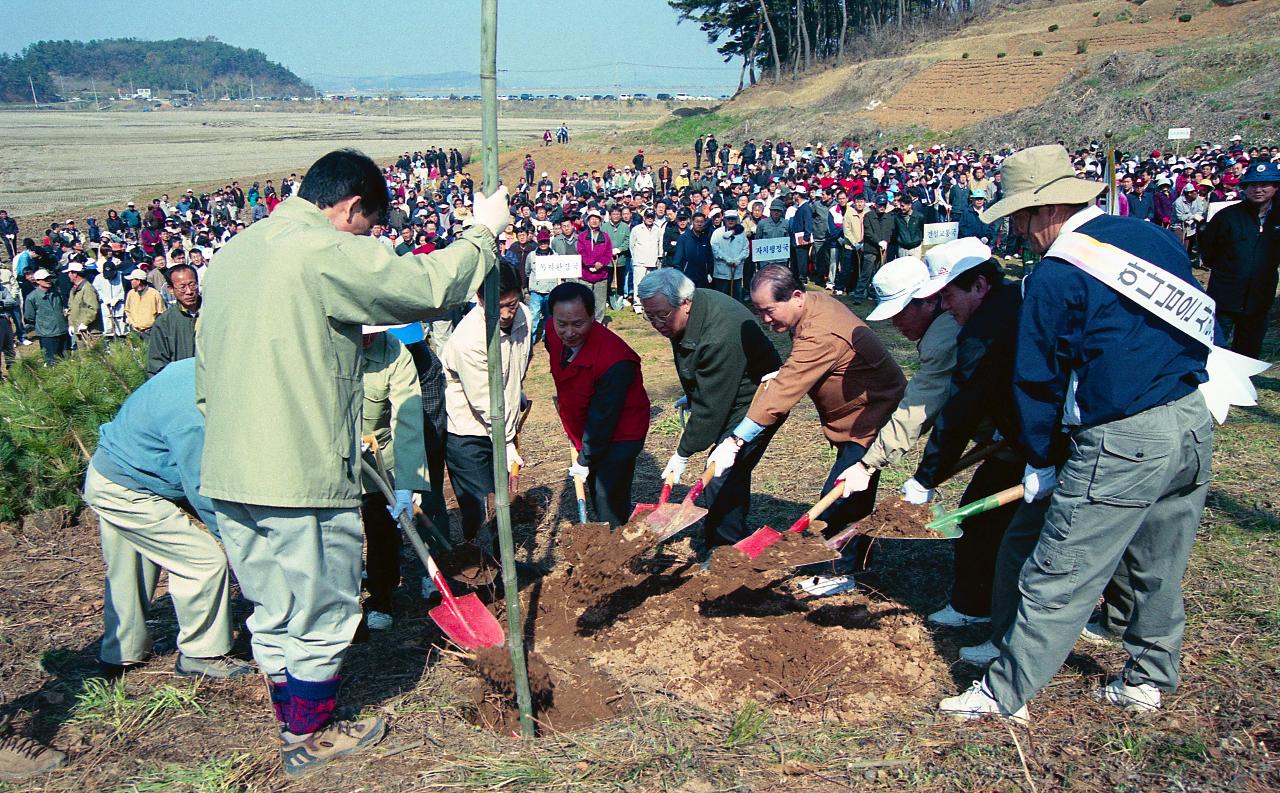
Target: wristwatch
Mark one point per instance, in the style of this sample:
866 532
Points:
739 442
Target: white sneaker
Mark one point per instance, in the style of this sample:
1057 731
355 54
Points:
26 342
951 618
1094 633
825 586
378 620
428 588
639 309
979 654
1142 698
978 702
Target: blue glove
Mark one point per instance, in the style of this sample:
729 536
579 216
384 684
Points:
403 505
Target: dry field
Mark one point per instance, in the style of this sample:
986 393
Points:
58 161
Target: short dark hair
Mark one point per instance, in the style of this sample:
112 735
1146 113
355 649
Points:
990 269
508 280
780 280
569 292
179 268
344 173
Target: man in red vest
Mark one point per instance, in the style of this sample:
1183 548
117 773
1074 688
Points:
602 402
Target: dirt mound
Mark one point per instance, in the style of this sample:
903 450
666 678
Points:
896 519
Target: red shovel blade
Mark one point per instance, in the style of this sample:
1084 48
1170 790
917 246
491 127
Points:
643 509
758 540
468 623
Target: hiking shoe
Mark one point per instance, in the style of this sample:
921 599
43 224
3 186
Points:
379 620
827 585
1094 633
1142 698
336 739
222 668
979 655
978 702
22 757
950 618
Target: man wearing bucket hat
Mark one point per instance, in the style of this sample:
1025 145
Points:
1106 388
1241 247
971 286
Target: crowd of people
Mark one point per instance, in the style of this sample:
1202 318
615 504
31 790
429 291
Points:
354 290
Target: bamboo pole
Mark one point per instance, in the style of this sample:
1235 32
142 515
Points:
497 407
1113 200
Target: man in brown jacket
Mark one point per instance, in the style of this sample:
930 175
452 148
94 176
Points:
844 368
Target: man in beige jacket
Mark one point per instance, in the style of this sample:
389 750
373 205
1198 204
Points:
278 377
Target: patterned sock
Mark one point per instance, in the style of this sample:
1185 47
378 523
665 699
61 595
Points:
311 704
278 686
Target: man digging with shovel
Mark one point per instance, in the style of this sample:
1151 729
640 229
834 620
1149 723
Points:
721 355
853 382
281 391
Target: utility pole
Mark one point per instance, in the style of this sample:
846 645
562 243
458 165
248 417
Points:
253 95
497 411
32 83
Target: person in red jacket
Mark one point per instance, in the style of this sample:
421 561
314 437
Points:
601 399
596 250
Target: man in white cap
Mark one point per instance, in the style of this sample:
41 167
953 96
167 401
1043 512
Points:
84 312
970 285
45 316
143 305
1112 343
729 252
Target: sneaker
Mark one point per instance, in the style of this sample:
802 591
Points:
26 342
978 702
827 585
950 618
22 757
222 668
336 739
429 588
378 620
639 309
1142 698
979 655
1094 633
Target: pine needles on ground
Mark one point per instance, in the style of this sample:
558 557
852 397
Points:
49 419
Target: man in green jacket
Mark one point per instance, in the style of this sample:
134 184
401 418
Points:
173 337
619 232
721 355
84 311
281 392
46 318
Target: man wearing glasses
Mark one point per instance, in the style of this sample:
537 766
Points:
721 356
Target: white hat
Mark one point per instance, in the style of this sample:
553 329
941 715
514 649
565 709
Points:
1235 138
948 260
380 328
41 275
75 267
896 283
136 275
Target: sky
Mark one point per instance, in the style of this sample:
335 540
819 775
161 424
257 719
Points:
542 41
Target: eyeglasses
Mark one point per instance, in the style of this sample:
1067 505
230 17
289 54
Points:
659 317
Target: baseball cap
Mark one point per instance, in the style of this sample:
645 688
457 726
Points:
777 205
683 214
41 274
950 259
75 267
896 283
882 199
136 275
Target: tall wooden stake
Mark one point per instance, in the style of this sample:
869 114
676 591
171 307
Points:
1113 200
497 406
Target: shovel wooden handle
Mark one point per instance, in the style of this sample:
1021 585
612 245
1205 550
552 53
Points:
1007 496
824 503
701 484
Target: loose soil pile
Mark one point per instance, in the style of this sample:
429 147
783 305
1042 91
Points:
602 622
895 519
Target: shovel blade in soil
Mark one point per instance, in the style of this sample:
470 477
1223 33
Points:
758 540
471 626
669 520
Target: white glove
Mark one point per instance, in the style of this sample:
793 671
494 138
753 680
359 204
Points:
82 327
883 245
857 478
492 211
403 505
578 471
1038 482
513 456
915 493
675 468
723 456
770 376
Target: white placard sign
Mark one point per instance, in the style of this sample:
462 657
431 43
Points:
557 266
1180 133
1216 207
777 249
938 233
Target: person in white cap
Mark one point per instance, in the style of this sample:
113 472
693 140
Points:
143 305
729 252
84 311
45 316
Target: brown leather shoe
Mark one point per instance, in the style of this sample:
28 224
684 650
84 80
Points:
22 757
336 739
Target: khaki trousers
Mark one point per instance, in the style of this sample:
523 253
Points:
142 534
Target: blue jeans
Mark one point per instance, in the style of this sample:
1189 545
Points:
537 307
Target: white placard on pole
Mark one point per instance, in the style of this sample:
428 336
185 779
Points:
1180 133
1216 207
551 266
938 233
777 249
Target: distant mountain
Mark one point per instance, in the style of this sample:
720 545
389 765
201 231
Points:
208 67
438 81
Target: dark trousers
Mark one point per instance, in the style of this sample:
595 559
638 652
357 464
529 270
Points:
470 462
975 552
8 346
868 262
54 347
819 259
15 314
382 552
849 510
728 497
1244 331
609 483
732 288
800 262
